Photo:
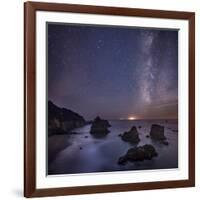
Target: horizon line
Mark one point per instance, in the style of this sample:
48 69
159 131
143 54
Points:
137 119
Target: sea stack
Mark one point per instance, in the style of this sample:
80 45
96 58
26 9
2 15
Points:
131 136
99 127
141 153
157 132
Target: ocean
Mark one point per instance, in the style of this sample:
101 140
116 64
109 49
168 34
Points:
83 153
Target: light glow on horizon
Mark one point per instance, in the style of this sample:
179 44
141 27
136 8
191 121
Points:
131 118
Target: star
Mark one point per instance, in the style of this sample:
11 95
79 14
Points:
113 71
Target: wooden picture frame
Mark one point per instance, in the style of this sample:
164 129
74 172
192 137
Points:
30 188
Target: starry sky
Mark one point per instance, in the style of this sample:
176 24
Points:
113 72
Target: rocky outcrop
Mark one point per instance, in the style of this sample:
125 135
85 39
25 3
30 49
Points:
103 122
99 127
62 120
131 136
157 132
141 153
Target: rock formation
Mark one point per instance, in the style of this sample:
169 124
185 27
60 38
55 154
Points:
141 153
99 127
157 132
131 136
62 120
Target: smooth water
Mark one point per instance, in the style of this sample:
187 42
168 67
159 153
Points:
89 154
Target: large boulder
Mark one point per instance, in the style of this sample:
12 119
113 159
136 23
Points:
99 127
141 153
157 132
131 136
62 120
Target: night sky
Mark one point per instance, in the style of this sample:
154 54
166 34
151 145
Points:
113 72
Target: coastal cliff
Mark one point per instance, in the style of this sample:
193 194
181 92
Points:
62 120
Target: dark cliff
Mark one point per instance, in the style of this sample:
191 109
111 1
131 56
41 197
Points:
62 120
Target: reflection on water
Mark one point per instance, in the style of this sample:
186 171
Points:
88 154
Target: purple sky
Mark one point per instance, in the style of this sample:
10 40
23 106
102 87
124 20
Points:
113 72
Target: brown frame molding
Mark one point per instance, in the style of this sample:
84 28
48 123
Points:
30 9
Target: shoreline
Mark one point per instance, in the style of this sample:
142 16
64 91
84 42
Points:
56 143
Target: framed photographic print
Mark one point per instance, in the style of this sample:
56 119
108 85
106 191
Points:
109 99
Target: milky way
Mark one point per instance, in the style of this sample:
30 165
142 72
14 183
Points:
114 72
